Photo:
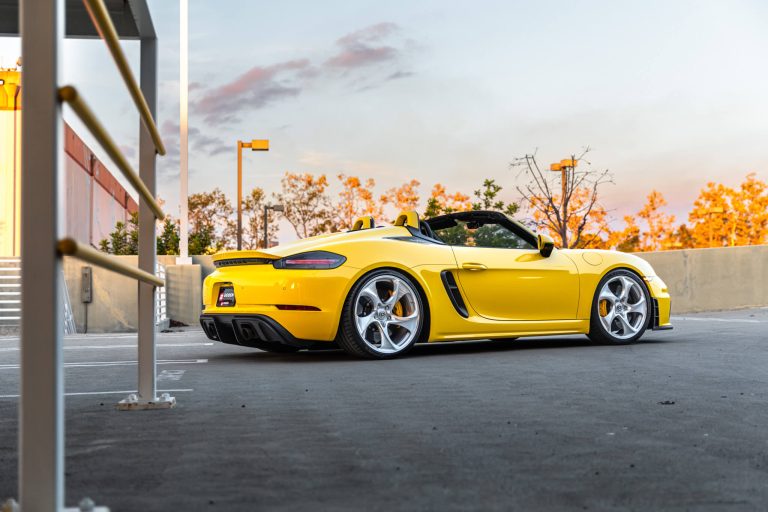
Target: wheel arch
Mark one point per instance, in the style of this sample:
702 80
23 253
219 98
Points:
410 275
651 303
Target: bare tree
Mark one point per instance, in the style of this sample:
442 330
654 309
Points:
570 208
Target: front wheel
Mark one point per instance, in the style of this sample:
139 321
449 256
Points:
383 316
619 309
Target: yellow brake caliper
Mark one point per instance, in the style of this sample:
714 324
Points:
398 309
603 307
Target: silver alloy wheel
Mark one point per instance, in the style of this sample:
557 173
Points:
622 307
387 313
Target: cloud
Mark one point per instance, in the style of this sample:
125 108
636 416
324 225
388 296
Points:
256 88
197 141
397 75
364 47
261 86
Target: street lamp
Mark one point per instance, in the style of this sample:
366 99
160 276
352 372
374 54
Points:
275 208
711 211
563 166
254 145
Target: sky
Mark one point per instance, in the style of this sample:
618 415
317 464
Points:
668 95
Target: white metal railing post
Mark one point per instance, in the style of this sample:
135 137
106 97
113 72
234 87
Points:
147 240
41 412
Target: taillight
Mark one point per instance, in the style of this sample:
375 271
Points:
311 260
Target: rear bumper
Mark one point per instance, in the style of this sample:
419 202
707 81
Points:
257 331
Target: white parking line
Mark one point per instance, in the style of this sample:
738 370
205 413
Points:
82 347
126 335
125 392
729 320
96 364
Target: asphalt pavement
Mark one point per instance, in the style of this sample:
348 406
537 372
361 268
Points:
678 421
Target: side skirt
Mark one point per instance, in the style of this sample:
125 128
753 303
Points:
486 330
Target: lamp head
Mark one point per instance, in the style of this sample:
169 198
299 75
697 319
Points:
260 145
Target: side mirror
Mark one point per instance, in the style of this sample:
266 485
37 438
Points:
546 244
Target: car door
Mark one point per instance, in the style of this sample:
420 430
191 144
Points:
518 284
503 276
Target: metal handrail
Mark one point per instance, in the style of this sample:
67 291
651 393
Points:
103 23
71 247
70 95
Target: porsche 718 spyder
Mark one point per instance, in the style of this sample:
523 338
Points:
376 291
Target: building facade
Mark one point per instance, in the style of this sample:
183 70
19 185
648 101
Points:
94 201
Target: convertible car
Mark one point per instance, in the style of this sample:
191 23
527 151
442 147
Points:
376 291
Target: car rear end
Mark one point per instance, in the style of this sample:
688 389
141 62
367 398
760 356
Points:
255 298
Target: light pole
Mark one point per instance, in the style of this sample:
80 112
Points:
563 167
183 133
274 208
709 212
254 145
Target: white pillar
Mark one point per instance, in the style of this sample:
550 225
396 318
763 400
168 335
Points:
183 132
41 411
147 240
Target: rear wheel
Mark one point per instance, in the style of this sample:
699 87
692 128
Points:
619 309
383 316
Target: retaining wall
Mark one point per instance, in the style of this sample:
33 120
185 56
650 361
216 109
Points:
713 279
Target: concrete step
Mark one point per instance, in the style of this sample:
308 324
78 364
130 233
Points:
10 295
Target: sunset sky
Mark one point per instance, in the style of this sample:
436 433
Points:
669 95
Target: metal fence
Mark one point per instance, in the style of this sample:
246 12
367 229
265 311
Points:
41 439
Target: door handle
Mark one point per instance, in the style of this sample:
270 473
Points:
473 266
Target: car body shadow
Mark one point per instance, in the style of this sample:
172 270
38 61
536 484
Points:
427 349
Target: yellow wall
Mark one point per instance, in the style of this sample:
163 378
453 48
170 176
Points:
10 163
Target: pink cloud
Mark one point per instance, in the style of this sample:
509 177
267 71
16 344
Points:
363 47
256 88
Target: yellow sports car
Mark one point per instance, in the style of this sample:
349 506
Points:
375 291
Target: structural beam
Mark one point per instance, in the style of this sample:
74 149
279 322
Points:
41 413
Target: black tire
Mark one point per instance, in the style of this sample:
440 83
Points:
348 337
597 331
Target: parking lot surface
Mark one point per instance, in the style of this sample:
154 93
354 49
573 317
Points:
675 422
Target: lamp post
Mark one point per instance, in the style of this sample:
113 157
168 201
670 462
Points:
709 212
275 208
563 166
254 145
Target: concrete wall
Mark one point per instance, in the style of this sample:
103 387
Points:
115 307
184 289
713 279
115 302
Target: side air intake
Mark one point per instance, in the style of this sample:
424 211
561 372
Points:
453 292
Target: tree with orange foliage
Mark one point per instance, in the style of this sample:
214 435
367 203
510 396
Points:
587 223
724 216
660 225
707 219
306 203
626 240
253 213
574 215
405 197
355 200
441 202
749 212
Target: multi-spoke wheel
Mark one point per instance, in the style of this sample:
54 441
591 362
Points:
620 308
382 317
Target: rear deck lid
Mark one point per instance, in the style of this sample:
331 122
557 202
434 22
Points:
236 258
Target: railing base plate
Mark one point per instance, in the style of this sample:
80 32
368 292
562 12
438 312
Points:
133 403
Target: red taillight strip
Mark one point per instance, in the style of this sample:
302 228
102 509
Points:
291 307
310 262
